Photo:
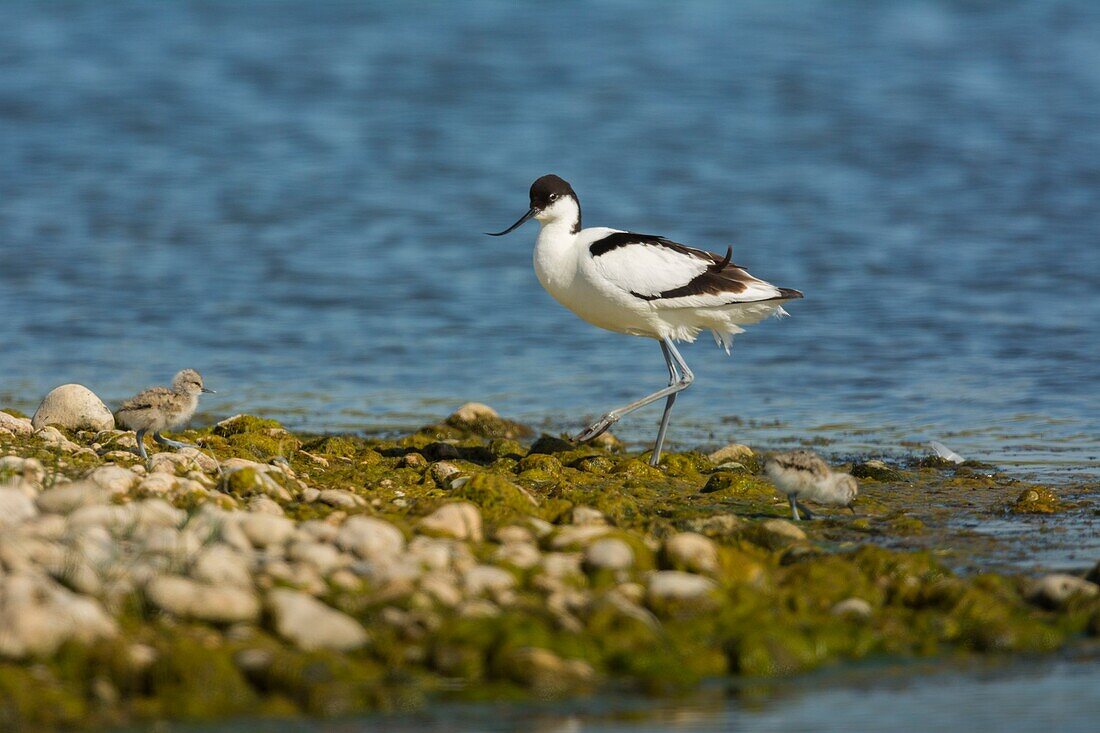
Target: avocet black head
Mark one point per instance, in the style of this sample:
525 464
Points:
552 199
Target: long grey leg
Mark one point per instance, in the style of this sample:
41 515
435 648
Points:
681 382
170 443
141 445
794 508
673 377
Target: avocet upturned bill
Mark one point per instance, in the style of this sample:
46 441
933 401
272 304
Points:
642 285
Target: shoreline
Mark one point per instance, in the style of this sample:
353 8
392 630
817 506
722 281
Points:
278 574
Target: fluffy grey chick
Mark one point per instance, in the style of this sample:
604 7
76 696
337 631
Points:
161 408
803 476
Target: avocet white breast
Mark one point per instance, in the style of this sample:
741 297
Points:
642 285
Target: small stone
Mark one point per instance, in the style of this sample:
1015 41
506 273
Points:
482 579
189 599
75 407
310 495
341 498
778 533
546 674
185 459
53 437
692 552
734 452
1055 590
15 425
854 607
266 529
586 515
510 533
115 479
311 625
370 538
443 472
461 520
414 460
15 507
675 585
523 555
574 536
876 470
610 553
220 564
474 411
265 505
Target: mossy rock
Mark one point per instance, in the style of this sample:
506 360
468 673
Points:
245 424
342 446
738 483
498 498
15 413
550 444
876 470
1037 500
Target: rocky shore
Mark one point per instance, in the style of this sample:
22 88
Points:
269 573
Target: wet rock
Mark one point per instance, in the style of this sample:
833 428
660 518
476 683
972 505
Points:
1055 590
732 453
1037 500
852 607
692 552
609 553
370 538
266 529
75 407
311 625
443 472
876 470
462 521
186 598
479 419
15 507
15 425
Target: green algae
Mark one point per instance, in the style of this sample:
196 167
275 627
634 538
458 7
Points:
771 612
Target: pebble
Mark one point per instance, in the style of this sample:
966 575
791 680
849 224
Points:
38 615
574 536
487 579
75 407
461 521
341 498
369 537
1054 590
263 530
676 585
442 472
734 452
15 507
15 425
186 598
311 625
523 555
586 515
115 479
854 607
219 564
693 552
610 553
53 437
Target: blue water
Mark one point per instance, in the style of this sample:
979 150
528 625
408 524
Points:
289 196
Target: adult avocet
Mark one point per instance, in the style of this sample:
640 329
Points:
642 285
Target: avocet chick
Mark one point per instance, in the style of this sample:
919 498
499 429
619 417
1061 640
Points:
803 476
161 408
